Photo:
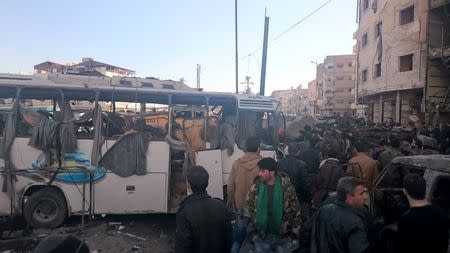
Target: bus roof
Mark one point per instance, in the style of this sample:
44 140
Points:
78 87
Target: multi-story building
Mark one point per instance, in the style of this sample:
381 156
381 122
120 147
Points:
87 66
335 83
402 59
312 98
302 101
286 98
293 101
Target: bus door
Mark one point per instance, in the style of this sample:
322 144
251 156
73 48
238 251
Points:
190 125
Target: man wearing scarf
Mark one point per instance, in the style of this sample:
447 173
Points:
273 210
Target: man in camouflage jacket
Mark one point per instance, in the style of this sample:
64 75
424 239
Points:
277 234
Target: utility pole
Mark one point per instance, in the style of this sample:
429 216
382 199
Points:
262 85
236 44
247 84
199 69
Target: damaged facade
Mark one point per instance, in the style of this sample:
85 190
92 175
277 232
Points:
402 60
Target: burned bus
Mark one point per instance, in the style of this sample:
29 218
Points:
75 145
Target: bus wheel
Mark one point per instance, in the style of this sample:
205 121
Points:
45 208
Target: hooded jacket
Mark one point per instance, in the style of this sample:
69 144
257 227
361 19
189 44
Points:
243 172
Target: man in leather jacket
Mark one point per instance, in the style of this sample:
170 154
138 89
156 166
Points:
339 226
203 223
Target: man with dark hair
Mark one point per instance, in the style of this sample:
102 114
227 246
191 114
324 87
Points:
382 146
339 227
424 227
330 171
390 153
296 170
405 146
243 172
362 165
311 156
273 210
203 223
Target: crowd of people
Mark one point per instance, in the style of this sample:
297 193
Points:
309 200
314 199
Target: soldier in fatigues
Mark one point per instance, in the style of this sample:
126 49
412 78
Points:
273 210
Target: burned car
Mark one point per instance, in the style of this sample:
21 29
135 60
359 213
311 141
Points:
388 201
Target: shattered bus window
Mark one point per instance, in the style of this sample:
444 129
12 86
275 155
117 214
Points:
259 124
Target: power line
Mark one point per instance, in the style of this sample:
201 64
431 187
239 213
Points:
290 28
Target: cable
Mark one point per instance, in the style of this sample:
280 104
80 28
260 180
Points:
290 28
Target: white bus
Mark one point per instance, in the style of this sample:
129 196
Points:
97 145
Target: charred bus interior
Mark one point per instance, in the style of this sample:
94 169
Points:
188 122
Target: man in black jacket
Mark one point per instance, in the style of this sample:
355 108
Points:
203 223
424 227
339 227
296 169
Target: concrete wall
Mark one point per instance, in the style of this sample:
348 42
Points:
393 93
396 40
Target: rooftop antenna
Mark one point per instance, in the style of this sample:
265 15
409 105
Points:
247 84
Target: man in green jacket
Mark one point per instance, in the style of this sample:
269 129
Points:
273 210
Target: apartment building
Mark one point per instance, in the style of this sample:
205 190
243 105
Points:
313 108
401 63
335 81
293 101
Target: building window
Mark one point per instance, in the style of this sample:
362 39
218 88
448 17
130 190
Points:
377 70
378 29
168 86
350 64
407 15
340 65
406 62
364 76
365 4
364 40
339 78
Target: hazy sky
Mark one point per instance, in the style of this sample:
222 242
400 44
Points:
168 38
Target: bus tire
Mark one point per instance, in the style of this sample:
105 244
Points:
45 208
